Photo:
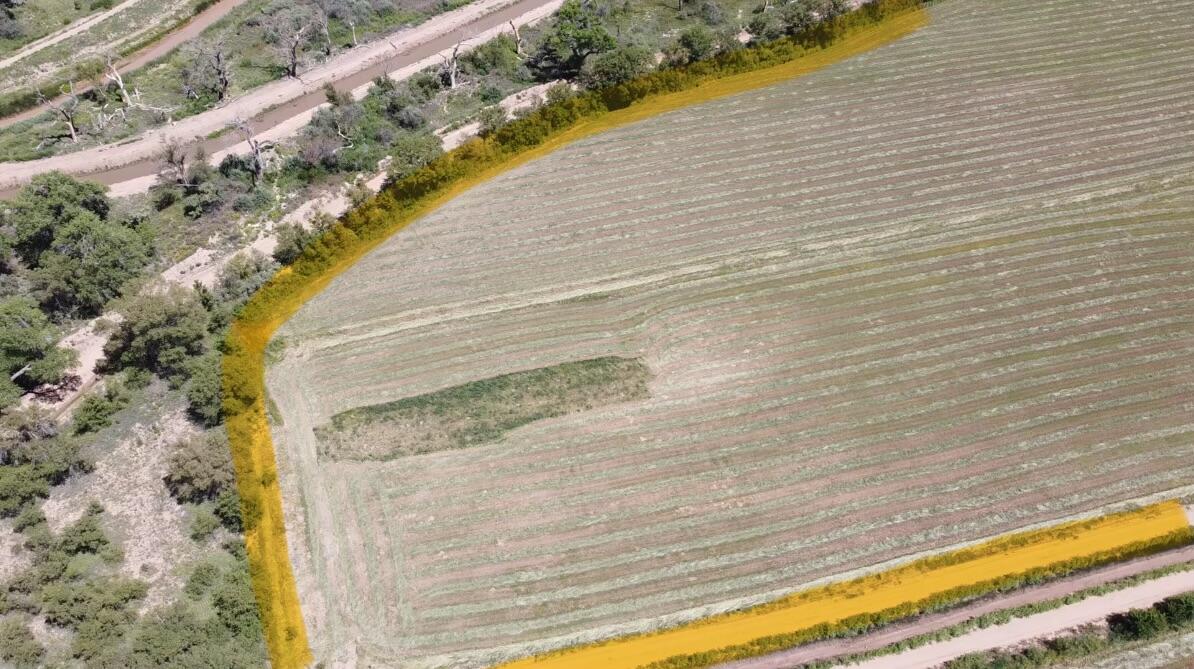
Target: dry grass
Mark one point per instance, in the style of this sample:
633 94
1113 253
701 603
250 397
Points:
933 294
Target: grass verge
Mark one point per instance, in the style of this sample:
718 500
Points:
399 204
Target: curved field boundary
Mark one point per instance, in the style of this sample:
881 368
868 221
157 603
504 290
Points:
406 201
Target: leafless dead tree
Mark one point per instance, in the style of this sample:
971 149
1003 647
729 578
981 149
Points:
451 67
517 40
175 158
323 19
67 110
289 32
257 147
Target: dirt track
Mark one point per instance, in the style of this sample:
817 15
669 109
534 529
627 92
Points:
67 32
1040 625
972 641
279 101
187 31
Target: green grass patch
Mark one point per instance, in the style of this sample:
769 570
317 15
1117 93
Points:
480 412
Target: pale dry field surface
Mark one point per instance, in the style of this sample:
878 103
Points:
936 293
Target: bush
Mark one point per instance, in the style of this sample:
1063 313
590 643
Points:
18 645
96 410
616 67
203 524
228 510
1137 624
85 535
200 468
1178 609
292 239
202 578
203 390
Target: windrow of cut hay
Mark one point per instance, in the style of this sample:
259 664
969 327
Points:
402 202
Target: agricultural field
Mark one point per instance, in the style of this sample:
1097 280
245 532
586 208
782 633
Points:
932 294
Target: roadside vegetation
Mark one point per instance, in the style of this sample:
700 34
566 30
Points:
24 22
1171 616
45 71
995 617
257 42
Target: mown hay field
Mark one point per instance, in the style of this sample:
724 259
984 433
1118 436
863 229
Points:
937 292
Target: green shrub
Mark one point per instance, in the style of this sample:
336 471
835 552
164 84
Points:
18 646
1178 609
1137 624
202 578
96 410
203 523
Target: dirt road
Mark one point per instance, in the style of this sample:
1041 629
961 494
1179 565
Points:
1040 625
66 33
187 31
1081 612
279 101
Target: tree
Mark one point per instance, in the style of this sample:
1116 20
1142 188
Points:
829 10
207 71
242 275
48 202
501 55
699 43
258 149
288 28
615 67
66 109
88 263
292 239
29 354
575 34
200 468
160 333
798 16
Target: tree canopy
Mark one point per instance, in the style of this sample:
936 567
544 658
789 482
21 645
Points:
575 35
29 354
160 333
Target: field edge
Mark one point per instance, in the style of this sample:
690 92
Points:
399 204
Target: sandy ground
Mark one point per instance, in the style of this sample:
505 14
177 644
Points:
152 529
1038 626
13 556
272 95
895 633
